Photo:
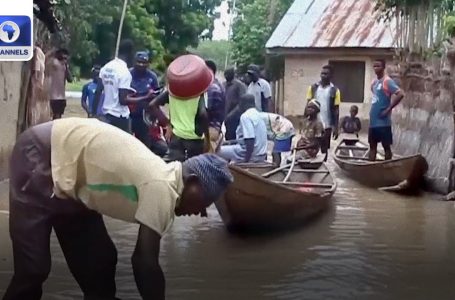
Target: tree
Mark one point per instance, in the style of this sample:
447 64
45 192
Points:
81 21
215 50
141 27
420 23
253 26
184 22
160 26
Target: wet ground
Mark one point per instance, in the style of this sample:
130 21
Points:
369 245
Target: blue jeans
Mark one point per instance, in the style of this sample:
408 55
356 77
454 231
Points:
236 154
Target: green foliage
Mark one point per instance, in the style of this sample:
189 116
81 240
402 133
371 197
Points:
79 21
161 26
215 50
76 85
183 22
422 25
253 26
141 27
450 25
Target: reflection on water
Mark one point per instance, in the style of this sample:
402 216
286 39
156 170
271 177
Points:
370 245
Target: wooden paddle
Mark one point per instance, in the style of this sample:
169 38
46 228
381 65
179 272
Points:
207 145
294 154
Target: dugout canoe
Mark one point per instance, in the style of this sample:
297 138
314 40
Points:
407 172
259 199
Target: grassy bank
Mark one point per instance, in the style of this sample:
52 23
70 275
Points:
76 86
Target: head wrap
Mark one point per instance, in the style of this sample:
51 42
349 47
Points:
315 104
213 174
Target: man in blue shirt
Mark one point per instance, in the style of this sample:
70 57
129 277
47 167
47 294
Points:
386 95
88 93
144 81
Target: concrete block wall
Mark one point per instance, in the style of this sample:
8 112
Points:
424 122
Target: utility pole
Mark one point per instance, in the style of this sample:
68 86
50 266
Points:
231 21
122 19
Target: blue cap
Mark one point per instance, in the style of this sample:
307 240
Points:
143 56
213 174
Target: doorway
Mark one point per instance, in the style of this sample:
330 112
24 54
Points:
349 77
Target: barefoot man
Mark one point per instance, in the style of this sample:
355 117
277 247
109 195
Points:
67 173
59 74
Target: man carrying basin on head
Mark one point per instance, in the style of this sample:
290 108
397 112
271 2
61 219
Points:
188 79
65 176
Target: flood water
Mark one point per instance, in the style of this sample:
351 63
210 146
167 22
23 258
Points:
369 245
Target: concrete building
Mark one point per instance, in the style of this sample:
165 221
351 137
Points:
10 86
343 33
14 88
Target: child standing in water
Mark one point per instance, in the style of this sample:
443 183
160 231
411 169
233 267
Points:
351 124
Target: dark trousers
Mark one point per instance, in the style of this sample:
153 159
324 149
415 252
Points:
159 147
182 149
34 212
325 144
140 130
232 122
119 122
57 107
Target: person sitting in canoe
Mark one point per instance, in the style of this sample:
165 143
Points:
251 142
312 131
281 131
67 174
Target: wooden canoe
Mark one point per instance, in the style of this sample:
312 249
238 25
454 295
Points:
351 155
257 200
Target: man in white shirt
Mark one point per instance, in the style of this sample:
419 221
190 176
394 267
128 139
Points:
115 81
260 89
329 97
251 143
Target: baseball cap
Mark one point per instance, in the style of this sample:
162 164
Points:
143 56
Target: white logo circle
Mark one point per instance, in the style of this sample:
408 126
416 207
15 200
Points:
9 32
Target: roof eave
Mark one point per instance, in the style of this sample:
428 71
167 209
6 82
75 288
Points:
329 50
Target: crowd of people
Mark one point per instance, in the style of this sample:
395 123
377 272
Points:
245 108
66 174
131 99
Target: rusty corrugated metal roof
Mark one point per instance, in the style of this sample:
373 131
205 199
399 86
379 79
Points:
332 24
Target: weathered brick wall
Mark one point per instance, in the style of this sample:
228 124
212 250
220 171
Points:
10 85
424 121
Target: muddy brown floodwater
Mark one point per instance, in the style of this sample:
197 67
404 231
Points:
369 245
